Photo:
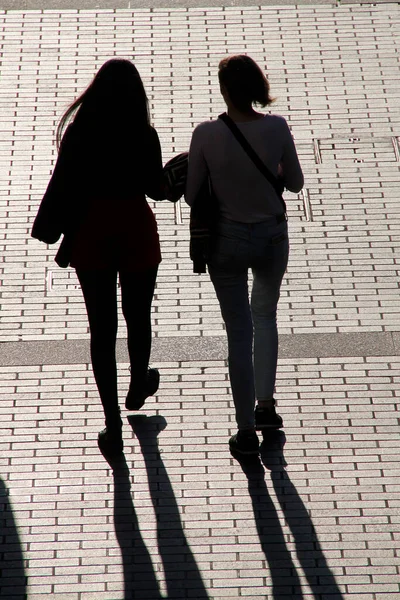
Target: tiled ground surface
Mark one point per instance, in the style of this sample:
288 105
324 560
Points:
334 72
183 519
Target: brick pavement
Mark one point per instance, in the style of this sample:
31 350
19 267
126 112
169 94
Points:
181 518
334 72
322 508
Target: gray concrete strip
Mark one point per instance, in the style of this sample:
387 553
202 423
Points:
137 4
324 345
396 342
373 2
176 349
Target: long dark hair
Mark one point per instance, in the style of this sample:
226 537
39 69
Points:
116 95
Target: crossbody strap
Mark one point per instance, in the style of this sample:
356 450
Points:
254 156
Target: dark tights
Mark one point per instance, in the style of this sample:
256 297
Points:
100 294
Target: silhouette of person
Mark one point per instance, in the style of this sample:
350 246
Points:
251 233
109 159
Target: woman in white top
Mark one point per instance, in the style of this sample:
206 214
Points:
252 233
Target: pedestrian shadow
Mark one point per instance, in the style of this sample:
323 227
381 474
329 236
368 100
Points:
13 580
285 579
182 576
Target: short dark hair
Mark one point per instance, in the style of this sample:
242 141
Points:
244 81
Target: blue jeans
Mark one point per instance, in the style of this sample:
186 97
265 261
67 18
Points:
263 247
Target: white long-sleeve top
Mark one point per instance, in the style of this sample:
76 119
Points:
243 193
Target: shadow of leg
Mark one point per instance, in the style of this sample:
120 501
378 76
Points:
309 552
284 577
183 578
139 579
12 572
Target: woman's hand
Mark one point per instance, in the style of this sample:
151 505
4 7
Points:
170 195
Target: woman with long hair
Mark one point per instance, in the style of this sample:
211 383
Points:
251 234
109 160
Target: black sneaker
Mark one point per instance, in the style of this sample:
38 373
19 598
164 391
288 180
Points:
135 401
244 442
267 418
110 443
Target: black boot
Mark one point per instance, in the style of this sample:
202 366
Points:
109 439
135 400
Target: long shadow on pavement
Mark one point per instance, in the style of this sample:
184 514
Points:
182 575
12 571
284 576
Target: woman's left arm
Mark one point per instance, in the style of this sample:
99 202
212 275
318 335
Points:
290 169
154 185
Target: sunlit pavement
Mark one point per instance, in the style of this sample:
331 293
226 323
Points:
317 517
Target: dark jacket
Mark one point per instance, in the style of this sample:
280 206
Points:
88 170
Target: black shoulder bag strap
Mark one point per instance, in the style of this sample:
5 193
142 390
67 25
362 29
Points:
254 157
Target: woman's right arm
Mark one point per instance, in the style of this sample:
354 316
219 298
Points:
197 169
49 223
